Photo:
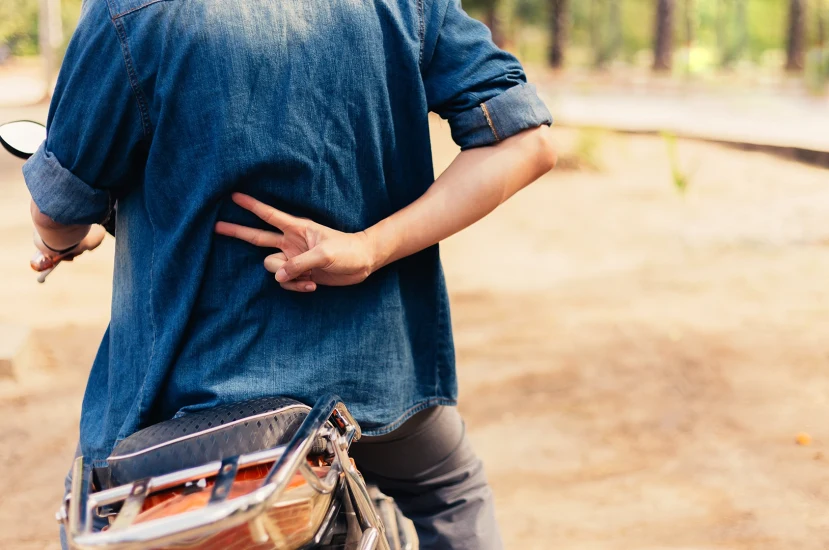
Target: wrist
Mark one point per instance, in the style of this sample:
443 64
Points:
51 250
58 251
378 248
58 242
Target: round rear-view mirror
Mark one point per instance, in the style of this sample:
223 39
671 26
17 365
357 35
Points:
22 138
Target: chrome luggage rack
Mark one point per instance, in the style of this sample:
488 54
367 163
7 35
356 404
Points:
328 419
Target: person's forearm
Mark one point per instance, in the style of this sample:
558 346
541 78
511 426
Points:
476 182
55 235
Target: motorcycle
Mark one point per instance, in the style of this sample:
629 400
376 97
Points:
265 474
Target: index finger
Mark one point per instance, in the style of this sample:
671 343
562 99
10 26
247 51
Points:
256 237
266 213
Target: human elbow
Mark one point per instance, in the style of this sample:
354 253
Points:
42 220
546 152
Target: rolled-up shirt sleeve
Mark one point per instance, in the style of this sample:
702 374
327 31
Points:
60 194
480 89
95 130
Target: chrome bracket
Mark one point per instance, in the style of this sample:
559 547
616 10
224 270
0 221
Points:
224 480
132 505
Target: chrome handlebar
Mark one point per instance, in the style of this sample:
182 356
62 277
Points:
44 264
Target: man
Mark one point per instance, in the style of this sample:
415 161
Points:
176 109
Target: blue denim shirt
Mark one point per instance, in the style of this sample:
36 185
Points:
318 107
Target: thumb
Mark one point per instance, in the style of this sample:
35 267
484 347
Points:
296 266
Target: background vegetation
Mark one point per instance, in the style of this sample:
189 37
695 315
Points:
19 23
703 35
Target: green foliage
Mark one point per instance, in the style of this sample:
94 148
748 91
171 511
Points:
530 11
766 22
817 71
637 27
586 154
19 23
681 178
18 26
723 32
478 5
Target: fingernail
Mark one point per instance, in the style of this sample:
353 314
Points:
309 287
281 275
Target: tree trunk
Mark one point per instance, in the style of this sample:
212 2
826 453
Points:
50 36
493 21
689 23
605 31
597 27
796 36
742 29
615 20
821 39
722 33
663 44
559 24
732 33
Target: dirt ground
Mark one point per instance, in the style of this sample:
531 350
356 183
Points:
634 363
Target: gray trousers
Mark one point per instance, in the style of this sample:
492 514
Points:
429 468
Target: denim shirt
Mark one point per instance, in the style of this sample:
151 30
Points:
317 107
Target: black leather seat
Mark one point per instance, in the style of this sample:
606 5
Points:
204 436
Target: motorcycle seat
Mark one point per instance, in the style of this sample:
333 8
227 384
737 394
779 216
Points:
204 436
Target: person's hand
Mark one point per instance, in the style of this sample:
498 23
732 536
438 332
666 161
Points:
46 258
311 253
91 241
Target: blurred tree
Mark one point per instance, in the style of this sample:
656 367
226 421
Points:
795 41
493 21
732 31
636 36
19 23
690 25
689 33
559 25
50 37
606 30
489 13
18 26
663 35
822 58
614 20
530 12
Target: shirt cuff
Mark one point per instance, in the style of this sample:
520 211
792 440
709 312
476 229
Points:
61 195
517 109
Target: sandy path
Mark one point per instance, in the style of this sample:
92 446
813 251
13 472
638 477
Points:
634 364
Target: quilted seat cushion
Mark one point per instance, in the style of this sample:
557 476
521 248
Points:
204 436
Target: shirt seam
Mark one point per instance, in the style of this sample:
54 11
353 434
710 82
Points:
423 69
421 30
145 121
132 10
151 360
132 76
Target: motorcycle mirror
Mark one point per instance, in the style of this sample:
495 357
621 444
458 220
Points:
22 138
